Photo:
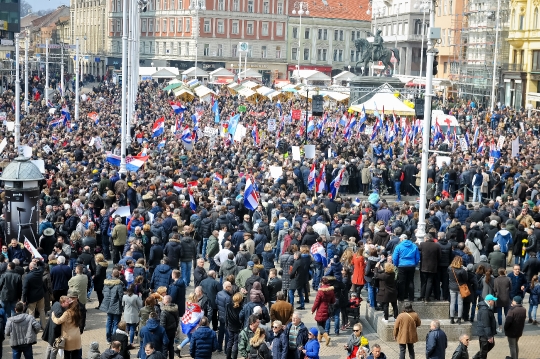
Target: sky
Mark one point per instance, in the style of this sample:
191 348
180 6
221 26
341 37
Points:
47 4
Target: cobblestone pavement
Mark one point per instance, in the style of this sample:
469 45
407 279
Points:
529 343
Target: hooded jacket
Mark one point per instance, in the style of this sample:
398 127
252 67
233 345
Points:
177 291
486 326
406 254
32 288
169 318
203 343
155 333
229 267
504 239
173 251
22 329
462 213
111 354
161 277
323 302
113 291
94 353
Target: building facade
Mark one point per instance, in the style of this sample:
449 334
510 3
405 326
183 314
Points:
324 39
10 24
174 35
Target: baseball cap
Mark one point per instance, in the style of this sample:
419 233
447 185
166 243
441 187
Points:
490 297
250 264
518 299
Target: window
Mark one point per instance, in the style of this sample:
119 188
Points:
338 55
179 48
521 22
250 6
321 54
180 6
336 35
188 27
536 22
306 33
206 50
445 67
322 34
118 23
164 25
158 6
220 27
278 52
280 8
306 54
150 25
295 33
179 25
187 48
206 25
263 52
536 60
353 34
221 5
234 27
264 29
294 53
236 5
234 51
279 29
249 30
266 8
143 26
250 51
352 55
157 25
219 50
171 25
450 8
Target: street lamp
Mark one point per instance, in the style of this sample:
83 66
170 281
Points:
300 8
198 6
424 7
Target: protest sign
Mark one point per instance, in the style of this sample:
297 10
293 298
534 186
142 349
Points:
296 153
210 131
441 159
276 171
271 124
309 150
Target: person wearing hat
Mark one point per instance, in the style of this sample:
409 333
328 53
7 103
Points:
244 274
486 326
514 324
311 349
250 244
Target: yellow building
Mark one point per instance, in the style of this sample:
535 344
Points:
448 16
521 75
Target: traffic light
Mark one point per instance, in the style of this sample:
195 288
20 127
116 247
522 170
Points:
435 64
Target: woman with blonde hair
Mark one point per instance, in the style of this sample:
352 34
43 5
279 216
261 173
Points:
234 324
70 321
457 275
100 276
259 349
191 302
387 293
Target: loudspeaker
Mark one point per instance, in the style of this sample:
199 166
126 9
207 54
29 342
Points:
419 108
317 105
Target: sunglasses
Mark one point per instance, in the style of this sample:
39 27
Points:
356 330
275 327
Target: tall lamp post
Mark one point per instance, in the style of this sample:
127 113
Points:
26 44
424 7
397 27
300 8
17 96
198 5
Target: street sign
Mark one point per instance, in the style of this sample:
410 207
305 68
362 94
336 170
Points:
8 55
56 46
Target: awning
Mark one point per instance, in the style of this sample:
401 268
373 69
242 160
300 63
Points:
202 91
250 84
222 81
245 92
173 86
337 96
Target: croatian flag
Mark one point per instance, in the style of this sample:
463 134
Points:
178 122
161 144
480 147
321 179
177 107
376 129
49 104
476 134
133 163
363 117
191 318
311 177
494 151
57 122
178 186
438 133
54 138
218 178
159 127
251 197
311 126
334 185
192 203
467 138
255 135
186 134
94 116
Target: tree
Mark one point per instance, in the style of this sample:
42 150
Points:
26 8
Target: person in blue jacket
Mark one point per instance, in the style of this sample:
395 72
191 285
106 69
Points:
203 341
436 341
311 349
406 257
154 333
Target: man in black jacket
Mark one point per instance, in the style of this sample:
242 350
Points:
189 252
486 327
223 299
211 287
33 293
169 319
446 259
257 278
173 251
10 289
156 255
347 230
430 257
299 277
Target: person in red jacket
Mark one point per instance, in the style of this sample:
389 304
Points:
323 305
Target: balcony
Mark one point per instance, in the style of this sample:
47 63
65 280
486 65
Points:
513 67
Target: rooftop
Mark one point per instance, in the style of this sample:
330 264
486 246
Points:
336 9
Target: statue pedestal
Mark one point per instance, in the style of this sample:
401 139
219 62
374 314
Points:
361 86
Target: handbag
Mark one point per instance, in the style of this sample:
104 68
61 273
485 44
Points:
59 343
463 288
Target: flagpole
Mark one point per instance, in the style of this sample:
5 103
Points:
124 85
17 96
77 79
26 43
47 71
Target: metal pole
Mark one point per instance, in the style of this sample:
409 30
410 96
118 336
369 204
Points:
77 74
245 63
124 77
494 77
26 43
422 48
196 36
129 77
239 63
17 96
373 62
47 71
62 72
420 234
307 108
397 27
299 40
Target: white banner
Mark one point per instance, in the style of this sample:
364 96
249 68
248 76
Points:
500 143
210 131
271 124
515 147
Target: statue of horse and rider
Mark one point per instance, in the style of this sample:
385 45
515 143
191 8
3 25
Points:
375 52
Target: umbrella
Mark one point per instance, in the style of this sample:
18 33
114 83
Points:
172 86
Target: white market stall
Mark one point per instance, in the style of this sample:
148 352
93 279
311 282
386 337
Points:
221 76
195 72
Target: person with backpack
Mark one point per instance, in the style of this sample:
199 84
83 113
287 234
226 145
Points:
399 176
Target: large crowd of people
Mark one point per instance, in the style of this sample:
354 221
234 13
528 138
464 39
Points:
189 221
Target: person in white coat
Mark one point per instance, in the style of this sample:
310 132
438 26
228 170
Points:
132 304
475 246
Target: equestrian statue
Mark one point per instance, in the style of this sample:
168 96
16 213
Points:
375 52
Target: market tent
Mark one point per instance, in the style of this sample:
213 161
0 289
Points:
174 81
281 82
388 100
166 73
221 72
203 91
172 86
246 92
337 96
184 93
311 75
250 84
343 76
195 72
267 92
250 73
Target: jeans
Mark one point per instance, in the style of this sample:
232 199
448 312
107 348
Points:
442 278
397 187
409 347
532 311
405 281
186 340
223 332
131 327
277 249
213 265
477 195
25 349
518 260
105 243
456 296
232 343
186 272
329 322
9 308
72 263
514 348
317 274
499 313
300 294
51 352
372 294
203 243
117 253
111 325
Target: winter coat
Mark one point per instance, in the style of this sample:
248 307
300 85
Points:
475 246
247 310
312 349
274 286
334 270
300 272
381 238
515 321
436 343
301 337
497 260
232 318
534 299
406 254
155 333
461 352
189 249
260 241
22 329
94 353
280 345
79 283
286 262
504 239
112 354
132 305
517 282
161 277
256 295
323 301
206 227
169 318
502 286
52 330
227 268
10 286
113 291
122 337
177 291
119 235
405 328
268 260
223 299
156 255
60 276
462 213
460 274
70 330
100 276
156 355
260 350
430 256
173 251
144 314
158 231
32 287
211 287
486 326
387 287
359 264
203 343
